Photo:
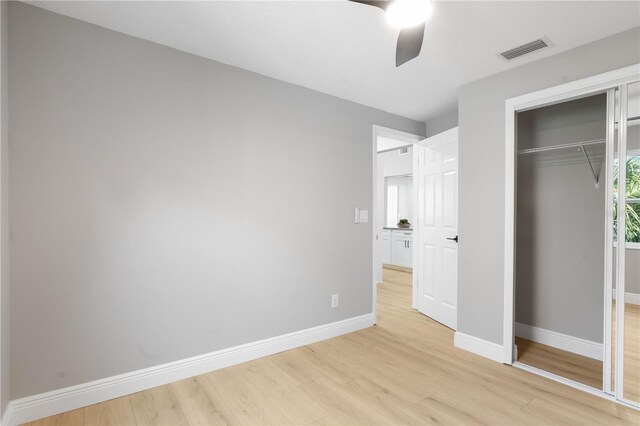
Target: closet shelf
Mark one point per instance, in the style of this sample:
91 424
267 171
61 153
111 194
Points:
596 143
580 144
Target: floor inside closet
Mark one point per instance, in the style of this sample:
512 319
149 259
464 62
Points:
582 369
404 370
586 370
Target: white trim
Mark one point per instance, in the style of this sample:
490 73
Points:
575 89
73 397
631 298
565 342
509 234
388 132
376 239
563 92
608 243
628 245
621 252
4 254
478 346
6 416
417 224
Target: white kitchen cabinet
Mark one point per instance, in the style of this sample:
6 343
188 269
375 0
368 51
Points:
397 247
386 246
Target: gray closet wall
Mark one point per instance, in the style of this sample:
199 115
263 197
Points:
560 222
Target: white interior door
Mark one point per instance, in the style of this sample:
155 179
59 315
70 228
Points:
437 247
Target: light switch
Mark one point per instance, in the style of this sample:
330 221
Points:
356 218
364 216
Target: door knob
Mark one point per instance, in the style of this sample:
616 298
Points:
453 239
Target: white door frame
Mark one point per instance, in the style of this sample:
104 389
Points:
4 255
601 83
410 139
564 92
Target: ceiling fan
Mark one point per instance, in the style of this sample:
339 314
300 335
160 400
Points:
410 17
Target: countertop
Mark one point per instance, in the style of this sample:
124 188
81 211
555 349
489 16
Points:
398 229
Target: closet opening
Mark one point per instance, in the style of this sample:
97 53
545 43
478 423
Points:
572 234
560 229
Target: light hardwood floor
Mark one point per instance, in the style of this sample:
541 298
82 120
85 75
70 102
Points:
404 370
631 351
576 367
586 370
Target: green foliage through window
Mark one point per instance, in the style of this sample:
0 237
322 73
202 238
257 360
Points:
632 232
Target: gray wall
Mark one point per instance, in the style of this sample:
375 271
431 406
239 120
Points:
632 279
632 269
163 205
4 212
560 221
442 123
481 203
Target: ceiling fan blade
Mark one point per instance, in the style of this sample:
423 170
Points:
409 44
382 4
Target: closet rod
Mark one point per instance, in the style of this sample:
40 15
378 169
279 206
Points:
581 144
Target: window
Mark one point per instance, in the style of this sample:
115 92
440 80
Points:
392 205
398 199
632 232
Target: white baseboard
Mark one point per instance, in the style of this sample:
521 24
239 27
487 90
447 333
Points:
565 342
478 346
6 416
632 298
73 397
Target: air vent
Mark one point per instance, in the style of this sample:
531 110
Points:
403 151
525 48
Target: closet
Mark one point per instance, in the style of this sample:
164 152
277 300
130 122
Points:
577 240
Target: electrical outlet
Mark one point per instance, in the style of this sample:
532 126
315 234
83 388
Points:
334 300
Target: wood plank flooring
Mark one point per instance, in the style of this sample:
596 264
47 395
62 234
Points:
631 350
582 369
404 370
587 370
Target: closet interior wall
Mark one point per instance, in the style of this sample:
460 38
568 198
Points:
560 228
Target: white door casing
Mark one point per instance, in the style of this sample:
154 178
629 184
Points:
437 252
379 188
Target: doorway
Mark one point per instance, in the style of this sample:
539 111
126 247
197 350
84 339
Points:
415 225
394 210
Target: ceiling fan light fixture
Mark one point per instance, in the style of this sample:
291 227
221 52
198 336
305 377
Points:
409 13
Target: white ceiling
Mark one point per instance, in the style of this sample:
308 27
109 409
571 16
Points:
347 49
